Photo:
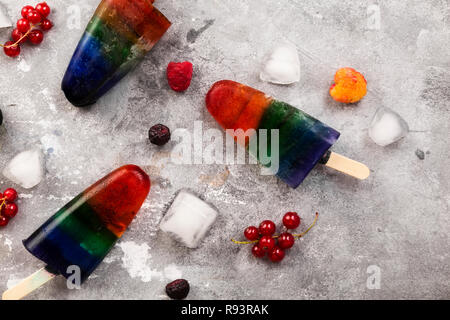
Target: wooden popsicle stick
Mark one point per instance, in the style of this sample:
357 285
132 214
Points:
348 166
28 285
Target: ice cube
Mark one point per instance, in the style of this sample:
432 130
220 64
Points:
188 219
5 20
387 127
282 65
26 169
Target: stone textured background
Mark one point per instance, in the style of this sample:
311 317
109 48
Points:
398 219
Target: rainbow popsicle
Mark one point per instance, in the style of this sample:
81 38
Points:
116 39
303 140
84 230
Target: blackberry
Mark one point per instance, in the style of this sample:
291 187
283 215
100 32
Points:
178 289
159 134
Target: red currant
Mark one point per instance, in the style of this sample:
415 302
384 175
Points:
36 36
23 25
25 10
276 254
258 252
3 221
10 50
10 194
46 24
267 228
251 233
10 210
34 17
16 35
266 243
43 9
286 240
291 220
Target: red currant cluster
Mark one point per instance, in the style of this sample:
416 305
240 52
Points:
26 28
8 209
272 245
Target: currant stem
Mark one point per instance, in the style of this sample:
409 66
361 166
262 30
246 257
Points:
295 235
3 201
23 37
310 227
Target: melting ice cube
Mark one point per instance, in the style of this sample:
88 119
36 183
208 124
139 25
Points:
5 21
387 127
26 169
188 219
282 65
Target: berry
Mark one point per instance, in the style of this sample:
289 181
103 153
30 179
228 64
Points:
34 17
25 11
36 36
3 221
10 194
258 252
276 254
23 25
179 75
349 86
16 35
251 233
159 134
11 51
266 243
46 24
178 289
291 220
43 9
267 228
10 210
286 240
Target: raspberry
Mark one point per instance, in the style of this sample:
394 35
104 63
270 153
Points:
179 75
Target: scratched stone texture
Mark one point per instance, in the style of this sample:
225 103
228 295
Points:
397 220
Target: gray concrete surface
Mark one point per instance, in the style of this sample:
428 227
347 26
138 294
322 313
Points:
397 220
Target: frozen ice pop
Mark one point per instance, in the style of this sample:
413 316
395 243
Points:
303 140
116 39
84 230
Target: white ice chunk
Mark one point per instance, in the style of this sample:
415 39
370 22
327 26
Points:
188 219
282 66
5 20
26 169
387 127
